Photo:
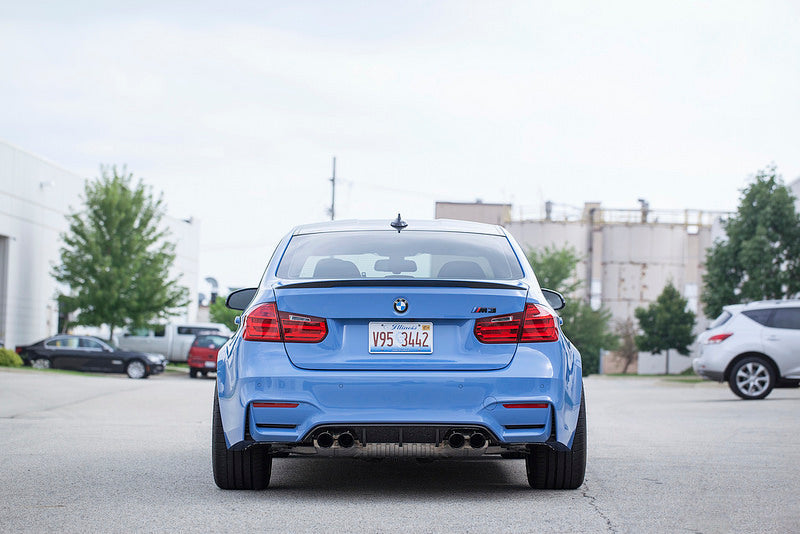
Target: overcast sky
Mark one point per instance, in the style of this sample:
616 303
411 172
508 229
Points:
234 112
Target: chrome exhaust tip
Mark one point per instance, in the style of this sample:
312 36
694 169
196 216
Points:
325 440
346 440
456 440
477 440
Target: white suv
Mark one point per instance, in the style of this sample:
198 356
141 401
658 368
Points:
754 347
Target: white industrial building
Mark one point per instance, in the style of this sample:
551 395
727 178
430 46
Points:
35 198
628 256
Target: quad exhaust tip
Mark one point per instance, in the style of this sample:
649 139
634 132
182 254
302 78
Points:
325 440
456 440
477 440
346 440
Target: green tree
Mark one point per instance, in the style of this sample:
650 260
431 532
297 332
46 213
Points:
666 324
555 269
761 257
588 329
220 313
116 257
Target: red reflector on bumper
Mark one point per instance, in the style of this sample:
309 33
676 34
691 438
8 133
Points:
276 404
525 405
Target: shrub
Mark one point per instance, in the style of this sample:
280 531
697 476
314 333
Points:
9 358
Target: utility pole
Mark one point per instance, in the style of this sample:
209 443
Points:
333 190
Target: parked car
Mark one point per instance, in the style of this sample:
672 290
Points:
87 353
171 340
202 356
429 339
754 347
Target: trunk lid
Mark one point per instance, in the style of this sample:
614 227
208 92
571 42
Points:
451 308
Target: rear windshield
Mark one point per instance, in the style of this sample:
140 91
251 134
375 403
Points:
721 320
211 341
409 254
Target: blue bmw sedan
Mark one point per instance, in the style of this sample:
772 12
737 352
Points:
421 339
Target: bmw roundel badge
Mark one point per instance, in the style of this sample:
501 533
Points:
400 305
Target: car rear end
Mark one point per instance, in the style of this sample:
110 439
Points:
731 334
431 342
202 356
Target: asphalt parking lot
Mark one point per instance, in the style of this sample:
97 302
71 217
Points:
106 453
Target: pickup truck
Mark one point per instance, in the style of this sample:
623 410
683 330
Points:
173 341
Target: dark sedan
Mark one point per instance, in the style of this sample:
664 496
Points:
86 353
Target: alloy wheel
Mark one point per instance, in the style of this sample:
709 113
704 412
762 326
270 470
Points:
136 369
753 379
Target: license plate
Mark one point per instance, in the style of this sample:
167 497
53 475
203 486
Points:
401 337
211 364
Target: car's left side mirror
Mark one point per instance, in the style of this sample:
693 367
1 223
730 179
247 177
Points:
241 298
554 299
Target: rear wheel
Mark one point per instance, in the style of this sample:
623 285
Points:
247 469
192 372
752 378
551 469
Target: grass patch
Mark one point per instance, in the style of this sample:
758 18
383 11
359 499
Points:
179 368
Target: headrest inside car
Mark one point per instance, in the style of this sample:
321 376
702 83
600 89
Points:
336 268
461 269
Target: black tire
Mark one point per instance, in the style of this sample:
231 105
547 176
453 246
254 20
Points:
204 373
752 378
192 372
551 469
247 469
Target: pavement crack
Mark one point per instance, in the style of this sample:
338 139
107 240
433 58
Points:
592 500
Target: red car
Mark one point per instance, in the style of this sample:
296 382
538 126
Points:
203 354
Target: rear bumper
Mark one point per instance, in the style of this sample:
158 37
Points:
710 366
413 399
202 365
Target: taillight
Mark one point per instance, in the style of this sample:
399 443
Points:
303 328
531 326
262 324
498 329
265 323
719 338
539 325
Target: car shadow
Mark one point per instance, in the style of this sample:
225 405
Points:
345 478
